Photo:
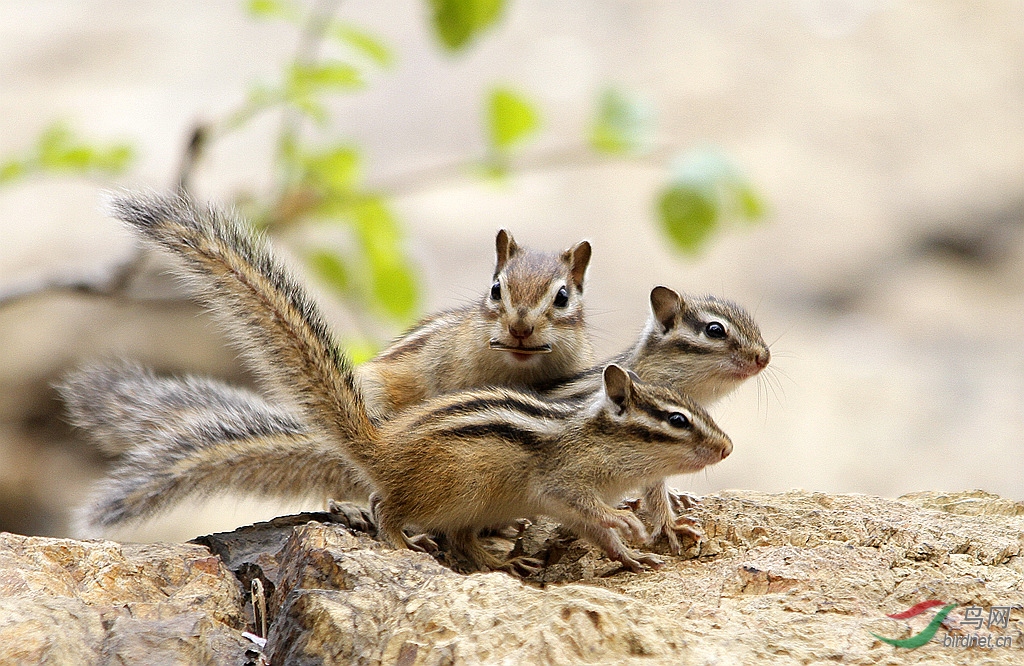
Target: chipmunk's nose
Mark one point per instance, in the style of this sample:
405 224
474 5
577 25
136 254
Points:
727 449
520 330
763 358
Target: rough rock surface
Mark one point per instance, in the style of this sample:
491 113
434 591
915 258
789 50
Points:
91 602
792 578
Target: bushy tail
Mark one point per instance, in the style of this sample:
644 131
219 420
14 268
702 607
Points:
190 436
267 314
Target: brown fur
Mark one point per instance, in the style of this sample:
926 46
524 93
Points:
285 341
675 350
451 350
454 471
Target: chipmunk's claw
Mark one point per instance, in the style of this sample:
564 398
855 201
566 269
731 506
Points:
422 543
681 501
521 567
350 515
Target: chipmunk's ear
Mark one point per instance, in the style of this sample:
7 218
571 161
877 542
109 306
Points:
578 258
617 385
666 306
506 248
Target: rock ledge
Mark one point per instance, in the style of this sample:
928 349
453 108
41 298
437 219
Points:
791 578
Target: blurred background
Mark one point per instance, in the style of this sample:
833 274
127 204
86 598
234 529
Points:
851 171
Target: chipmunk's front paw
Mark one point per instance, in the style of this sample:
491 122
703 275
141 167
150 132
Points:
682 526
625 521
673 528
682 501
640 561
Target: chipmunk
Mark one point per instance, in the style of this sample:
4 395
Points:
529 327
530 455
469 460
703 347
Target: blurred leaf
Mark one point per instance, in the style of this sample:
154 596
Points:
11 171
751 207
395 289
360 351
393 285
58 150
331 269
511 118
271 9
458 22
305 79
337 169
689 215
114 159
367 44
623 124
705 190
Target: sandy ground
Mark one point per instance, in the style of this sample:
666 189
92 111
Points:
887 137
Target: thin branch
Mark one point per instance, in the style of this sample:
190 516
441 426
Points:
569 157
112 281
195 149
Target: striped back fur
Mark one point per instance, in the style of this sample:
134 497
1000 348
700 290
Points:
265 312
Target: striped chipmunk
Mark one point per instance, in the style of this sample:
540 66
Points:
701 346
451 464
461 462
177 434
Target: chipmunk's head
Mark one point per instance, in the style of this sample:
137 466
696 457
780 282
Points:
657 421
535 303
702 346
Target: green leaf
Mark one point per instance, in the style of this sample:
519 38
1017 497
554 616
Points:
360 351
305 79
58 150
331 269
337 170
689 215
622 125
393 285
269 9
750 206
394 288
459 22
114 159
369 45
52 146
11 171
705 190
511 118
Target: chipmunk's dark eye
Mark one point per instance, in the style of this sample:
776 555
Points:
562 298
715 330
677 420
496 291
